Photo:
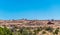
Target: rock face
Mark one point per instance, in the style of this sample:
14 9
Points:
30 23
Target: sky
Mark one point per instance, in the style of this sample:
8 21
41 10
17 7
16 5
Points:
30 9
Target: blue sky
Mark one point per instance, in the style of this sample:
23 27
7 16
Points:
30 9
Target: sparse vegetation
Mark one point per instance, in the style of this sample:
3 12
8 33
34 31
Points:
27 31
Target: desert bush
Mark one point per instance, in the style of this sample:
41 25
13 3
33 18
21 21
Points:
50 29
43 32
56 31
